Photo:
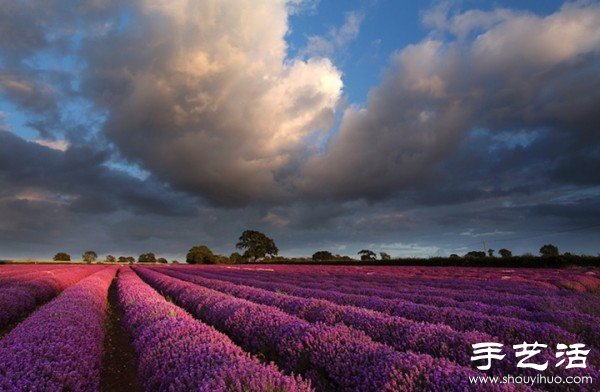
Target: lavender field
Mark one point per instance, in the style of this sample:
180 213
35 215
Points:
293 328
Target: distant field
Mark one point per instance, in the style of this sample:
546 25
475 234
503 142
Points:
289 327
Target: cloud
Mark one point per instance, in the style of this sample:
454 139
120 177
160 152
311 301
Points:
472 233
518 71
201 94
76 177
60 145
143 110
301 6
336 39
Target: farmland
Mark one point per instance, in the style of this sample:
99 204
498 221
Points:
290 327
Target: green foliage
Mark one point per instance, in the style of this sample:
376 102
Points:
322 255
549 250
367 255
62 256
89 256
505 253
110 259
257 245
147 258
126 259
162 260
235 257
200 254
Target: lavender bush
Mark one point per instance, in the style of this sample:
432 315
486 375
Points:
178 353
59 347
22 295
333 357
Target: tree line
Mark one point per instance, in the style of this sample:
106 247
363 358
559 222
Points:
257 247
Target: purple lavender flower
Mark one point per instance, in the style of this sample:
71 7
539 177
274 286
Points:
59 347
333 357
178 353
20 294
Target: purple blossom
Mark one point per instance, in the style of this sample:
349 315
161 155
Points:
178 353
21 293
333 357
59 347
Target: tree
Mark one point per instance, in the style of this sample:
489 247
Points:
200 254
549 250
454 256
147 258
175 262
162 260
505 253
491 252
110 259
257 245
385 256
89 256
235 257
322 255
367 255
62 256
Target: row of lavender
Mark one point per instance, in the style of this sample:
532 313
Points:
559 310
21 293
496 293
486 303
60 346
303 335
497 278
505 328
436 339
466 325
333 357
11 270
175 352
399 333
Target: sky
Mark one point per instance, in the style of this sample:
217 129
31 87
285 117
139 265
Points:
412 128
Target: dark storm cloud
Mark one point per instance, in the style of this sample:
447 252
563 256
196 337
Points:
480 129
585 211
79 176
216 112
518 71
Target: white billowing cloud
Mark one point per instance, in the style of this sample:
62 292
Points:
210 102
204 97
504 70
563 35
